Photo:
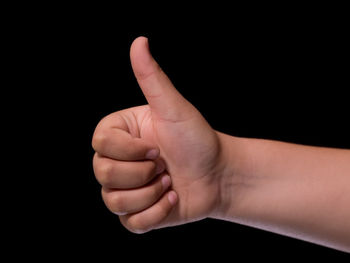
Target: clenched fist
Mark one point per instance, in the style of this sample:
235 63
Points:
159 164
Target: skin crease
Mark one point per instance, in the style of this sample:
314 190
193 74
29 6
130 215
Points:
294 190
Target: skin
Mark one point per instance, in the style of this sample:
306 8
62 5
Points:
162 165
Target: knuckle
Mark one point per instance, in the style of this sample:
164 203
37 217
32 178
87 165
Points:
118 204
136 225
104 173
99 140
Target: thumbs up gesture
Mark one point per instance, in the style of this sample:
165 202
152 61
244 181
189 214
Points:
159 164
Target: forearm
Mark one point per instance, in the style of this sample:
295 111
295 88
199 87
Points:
296 190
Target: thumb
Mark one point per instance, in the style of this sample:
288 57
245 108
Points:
165 101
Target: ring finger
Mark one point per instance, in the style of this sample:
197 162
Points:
123 202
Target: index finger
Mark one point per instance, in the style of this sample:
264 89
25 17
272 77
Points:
117 143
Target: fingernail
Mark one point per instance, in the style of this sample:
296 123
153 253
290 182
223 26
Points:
152 154
120 213
160 167
166 181
172 197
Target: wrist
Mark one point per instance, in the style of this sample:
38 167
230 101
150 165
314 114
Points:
235 166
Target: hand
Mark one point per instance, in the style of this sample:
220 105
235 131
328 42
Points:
159 164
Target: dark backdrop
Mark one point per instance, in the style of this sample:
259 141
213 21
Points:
267 80
276 75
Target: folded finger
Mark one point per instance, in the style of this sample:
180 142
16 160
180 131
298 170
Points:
135 200
117 174
149 219
118 144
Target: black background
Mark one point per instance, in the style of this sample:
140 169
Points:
275 75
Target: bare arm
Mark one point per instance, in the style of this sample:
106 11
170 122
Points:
295 190
162 165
